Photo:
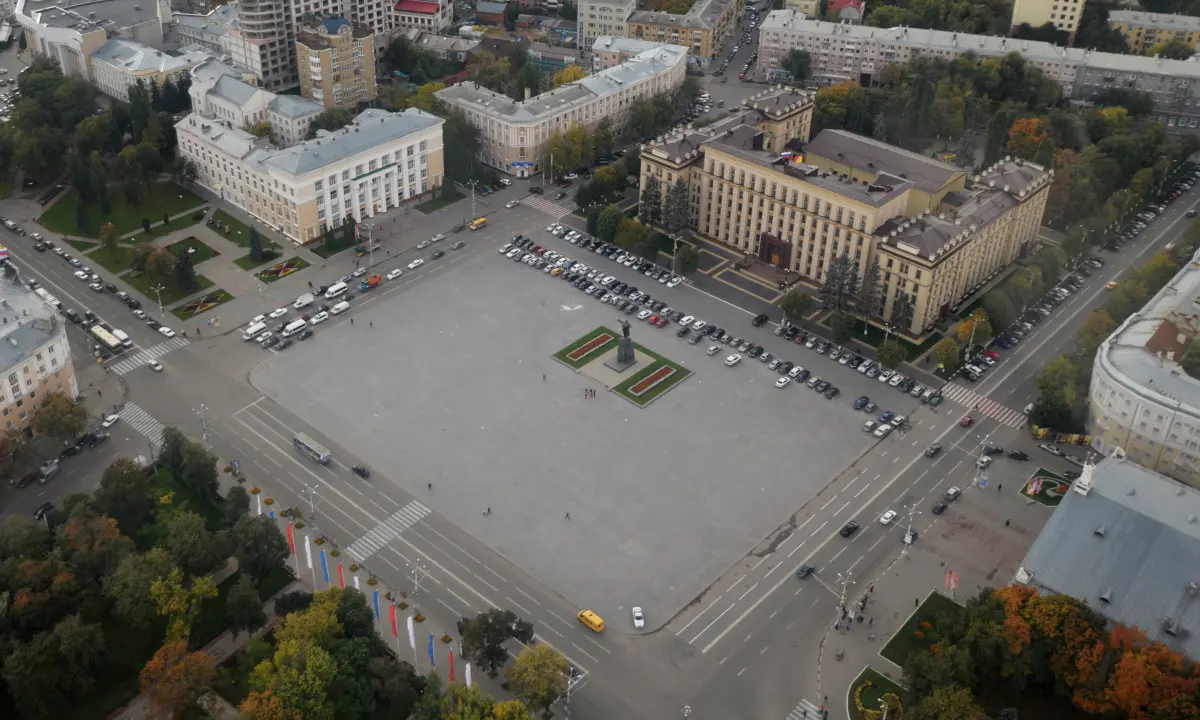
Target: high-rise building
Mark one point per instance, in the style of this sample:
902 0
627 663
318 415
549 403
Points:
69 33
596 18
336 59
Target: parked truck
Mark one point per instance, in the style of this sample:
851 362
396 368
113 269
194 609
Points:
369 282
364 248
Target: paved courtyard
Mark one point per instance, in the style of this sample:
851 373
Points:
443 382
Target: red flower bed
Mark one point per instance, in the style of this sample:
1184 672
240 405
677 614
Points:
651 380
589 347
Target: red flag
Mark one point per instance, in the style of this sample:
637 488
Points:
291 539
392 612
946 583
341 578
451 666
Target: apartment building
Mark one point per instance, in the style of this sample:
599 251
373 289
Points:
937 235
513 133
428 15
842 52
120 64
611 50
35 355
336 59
377 162
70 33
1141 402
598 18
1143 30
223 93
702 30
1063 14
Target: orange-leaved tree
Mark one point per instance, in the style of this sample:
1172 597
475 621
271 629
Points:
174 679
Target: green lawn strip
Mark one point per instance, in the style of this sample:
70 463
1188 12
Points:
439 202
296 263
1049 499
197 306
212 620
239 232
561 355
203 252
171 293
82 245
681 374
246 262
872 694
341 242
159 230
920 632
117 261
163 197
876 336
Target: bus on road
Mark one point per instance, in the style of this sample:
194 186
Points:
477 223
106 339
312 448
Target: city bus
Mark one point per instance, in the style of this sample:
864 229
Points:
477 223
312 448
106 339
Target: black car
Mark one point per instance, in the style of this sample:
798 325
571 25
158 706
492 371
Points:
97 439
804 571
133 304
933 450
831 392
154 324
849 529
939 507
559 195
69 451
792 332
42 511
683 331
786 367
458 245
272 341
1017 455
990 449
361 471
306 334
755 351
861 402
110 287
759 320
536 189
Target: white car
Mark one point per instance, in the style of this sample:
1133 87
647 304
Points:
81 275
416 264
318 318
712 350
898 421
674 281
257 319
166 331
264 337
506 247
552 228
887 517
97 287
869 426
687 319
639 620
438 237
278 312
36 237
882 431
155 365
570 176
896 380
512 203
644 314
110 421
75 262
394 274
699 325
783 382
983 462
139 314
733 359
885 375
423 244
359 272
795 372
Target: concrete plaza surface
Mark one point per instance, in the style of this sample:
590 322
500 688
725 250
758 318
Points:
443 383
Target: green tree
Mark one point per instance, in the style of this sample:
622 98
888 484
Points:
999 307
609 222
1190 362
483 637
947 353
840 286
602 136
14 446
902 312
160 266
946 703
295 683
687 259
798 63
180 603
259 546
843 325
256 248
332 119
236 505
59 417
124 495
651 200
676 209
1173 50
171 454
539 677
795 305
140 109
48 673
185 273
196 550
243 606
891 354
1095 330
1058 377
198 471
631 234
869 292
128 587
23 538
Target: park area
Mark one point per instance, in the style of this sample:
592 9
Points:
1046 487
196 306
161 198
920 632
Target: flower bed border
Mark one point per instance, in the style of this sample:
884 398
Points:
653 384
590 347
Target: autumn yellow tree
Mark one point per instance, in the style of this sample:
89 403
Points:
174 678
1026 136
977 328
569 74
181 603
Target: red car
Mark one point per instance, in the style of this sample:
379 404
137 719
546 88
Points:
799 339
661 322
652 319
966 421
992 354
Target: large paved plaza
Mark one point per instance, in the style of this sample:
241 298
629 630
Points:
443 383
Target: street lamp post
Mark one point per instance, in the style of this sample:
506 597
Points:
846 582
158 293
418 572
311 492
203 420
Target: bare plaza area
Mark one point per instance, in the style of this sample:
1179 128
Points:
451 381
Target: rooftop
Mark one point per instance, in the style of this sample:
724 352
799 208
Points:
779 101
112 15
702 14
370 129
490 8
417 6
1185 23
293 106
133 57
234 90
220 21
319 32
872 156
27 322
1124 540
618 44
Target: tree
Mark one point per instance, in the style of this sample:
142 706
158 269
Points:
171 454
59 417
1095 330
602 136
1025 136
798 63
902 311
199 471
139 109
124 495
1173 50
332 119
842 325
293 684
976 328
236 505
869 292
174 679
569 74
999 307
180 604
650 203
676 208
946 703
196 550
891 354
128 587
947 353
185 273
1058 377
841 283
53 668
160 266
631 234
539 677
23 537
244 607
687 259
609 222
484 635
259 546
795 305
14 445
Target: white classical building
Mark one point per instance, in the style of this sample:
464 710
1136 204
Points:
120 64
70 33
221 92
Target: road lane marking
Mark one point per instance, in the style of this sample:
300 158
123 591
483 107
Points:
860 492
835 497
516 605
839 510
706 627
814 533
535 602
793 552
685 627
585 652
748 591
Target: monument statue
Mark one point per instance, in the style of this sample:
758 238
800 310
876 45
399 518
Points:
625 356
624 327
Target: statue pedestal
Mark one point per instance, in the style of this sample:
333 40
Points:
624 359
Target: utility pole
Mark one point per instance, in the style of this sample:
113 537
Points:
846 582
203 420
418 572
312 500
158 292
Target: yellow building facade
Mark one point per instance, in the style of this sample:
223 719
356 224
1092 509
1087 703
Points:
336 59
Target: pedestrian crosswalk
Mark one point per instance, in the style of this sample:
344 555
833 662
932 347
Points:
978 403
143 422
806 710
554 210
387 531
141 358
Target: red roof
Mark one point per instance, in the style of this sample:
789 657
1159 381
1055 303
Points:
416 6
837 5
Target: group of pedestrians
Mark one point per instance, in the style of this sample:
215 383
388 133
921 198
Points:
589 393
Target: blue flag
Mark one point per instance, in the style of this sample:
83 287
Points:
375 597
431 660
272 514
324 567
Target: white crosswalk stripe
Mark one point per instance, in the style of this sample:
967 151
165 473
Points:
971 399
387 531
554 210
143 422
152 353
806 710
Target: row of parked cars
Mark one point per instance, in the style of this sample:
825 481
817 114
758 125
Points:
630 260
1149 213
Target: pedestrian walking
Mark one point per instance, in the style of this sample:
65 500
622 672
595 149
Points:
351 321
871 637
917 602
870 622
567 516
1005 523
372 323
430 486
998 486
860 618
99 394
543 377
872 587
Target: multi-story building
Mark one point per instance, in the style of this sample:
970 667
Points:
1141 401
1143 31
262 41
222 93
597 18
428 15
839 52
120 64
703 29
610 50
35 355
208 30
376 163
936 234
513 133
70 33
336 59
1063 14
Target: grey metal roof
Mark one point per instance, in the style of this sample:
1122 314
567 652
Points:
233 90
490 7
27 323
1128 549
370 129
291 106
113 15
220 21
870 155
214 69
1158 21
133 56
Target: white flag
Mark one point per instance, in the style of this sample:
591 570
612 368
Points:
308 552
412 639
356 587
259 496
468 674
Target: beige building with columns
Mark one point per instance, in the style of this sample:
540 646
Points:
937 233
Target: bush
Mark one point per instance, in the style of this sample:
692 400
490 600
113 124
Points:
292 602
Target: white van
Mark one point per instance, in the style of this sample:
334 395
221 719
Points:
294 327
340 308
120 335
336 290
303 301
253 331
